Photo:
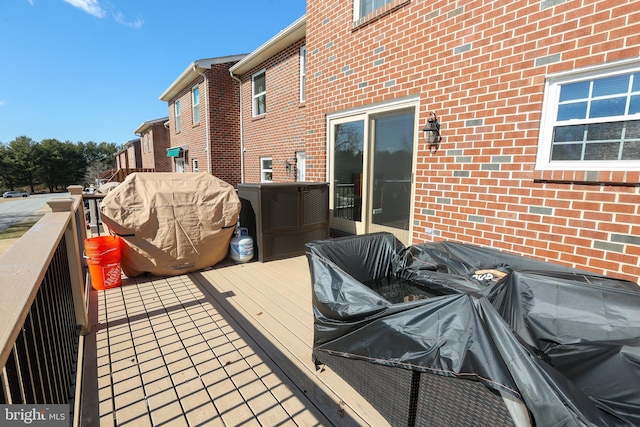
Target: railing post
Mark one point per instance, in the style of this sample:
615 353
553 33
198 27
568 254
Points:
73 256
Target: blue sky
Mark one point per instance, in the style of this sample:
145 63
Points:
92 70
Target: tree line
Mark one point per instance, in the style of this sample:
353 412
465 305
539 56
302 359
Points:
51 164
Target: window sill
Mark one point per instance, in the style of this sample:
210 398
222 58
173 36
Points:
379 13
621 178
260 117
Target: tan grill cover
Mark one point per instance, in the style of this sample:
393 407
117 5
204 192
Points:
171 223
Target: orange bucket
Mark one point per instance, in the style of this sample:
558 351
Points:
103 258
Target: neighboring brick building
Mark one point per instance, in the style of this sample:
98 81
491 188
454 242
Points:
154 142
129 156
204 119
539 106
273 115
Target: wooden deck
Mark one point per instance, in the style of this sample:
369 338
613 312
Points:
227 346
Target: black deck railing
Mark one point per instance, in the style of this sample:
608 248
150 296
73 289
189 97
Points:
346 203
44 308
42 362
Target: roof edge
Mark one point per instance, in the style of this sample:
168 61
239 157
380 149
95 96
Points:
144 126
294 32
189 74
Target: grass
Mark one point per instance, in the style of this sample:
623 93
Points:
17 230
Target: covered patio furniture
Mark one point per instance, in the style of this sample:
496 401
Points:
448 334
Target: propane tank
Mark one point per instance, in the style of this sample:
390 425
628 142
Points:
241 245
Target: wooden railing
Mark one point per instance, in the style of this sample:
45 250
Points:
44 308
121 174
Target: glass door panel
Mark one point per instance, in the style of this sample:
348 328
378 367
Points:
371 172
347 169
392 173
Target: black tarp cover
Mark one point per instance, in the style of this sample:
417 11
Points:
565 342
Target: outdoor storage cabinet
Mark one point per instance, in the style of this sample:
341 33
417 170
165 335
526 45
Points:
282 217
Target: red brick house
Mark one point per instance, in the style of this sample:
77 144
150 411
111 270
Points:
273 108
538 103
204 122
154 142
129 157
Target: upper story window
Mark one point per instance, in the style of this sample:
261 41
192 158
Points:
591 121
259 90
149 142
176 108
266 169
195 102
365 7
303 72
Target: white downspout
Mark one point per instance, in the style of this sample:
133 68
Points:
206 108
241 132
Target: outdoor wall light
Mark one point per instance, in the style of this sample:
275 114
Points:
431 133
289 166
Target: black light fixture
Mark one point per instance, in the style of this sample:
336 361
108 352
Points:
431 133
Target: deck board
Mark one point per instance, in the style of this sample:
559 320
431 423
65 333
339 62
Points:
230 345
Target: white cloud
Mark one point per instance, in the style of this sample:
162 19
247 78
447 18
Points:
92 7
31 2
120 19
1 102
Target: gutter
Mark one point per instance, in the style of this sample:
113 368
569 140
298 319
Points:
241 128
206 107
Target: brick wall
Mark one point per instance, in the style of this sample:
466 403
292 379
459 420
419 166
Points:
279 133
224 119
154 142
160 141
191 134
121 160
224 124
148 158
481 65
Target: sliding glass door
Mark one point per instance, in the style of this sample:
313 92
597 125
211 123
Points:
371 169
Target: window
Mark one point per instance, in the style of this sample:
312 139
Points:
194 163
266 169
303 72
301 166
195 102
592 121
365 7
176 108
149 142
259 93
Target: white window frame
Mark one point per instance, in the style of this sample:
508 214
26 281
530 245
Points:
303 73
301 166
550 111
256 96
265 170
177 114
194 165
357 7
195 107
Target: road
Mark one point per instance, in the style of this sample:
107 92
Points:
13 211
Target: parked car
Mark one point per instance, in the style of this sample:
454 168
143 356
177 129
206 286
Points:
8 194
